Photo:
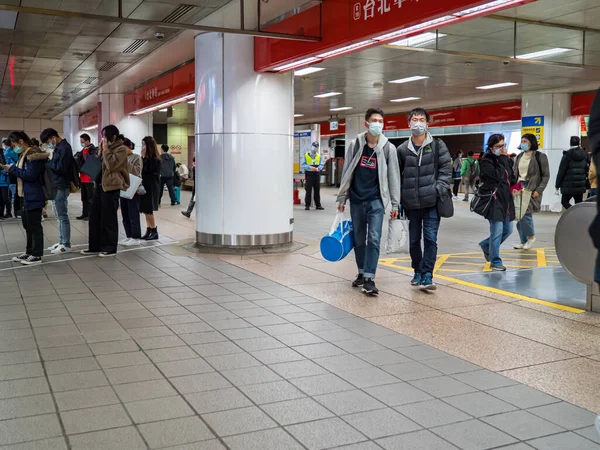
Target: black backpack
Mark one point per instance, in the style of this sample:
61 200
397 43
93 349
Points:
48 185
78 158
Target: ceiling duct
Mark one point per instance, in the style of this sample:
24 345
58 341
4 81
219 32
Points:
181 11
107 67
135 45
90 80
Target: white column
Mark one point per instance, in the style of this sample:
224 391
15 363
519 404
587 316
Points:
133 127
244 147
354 126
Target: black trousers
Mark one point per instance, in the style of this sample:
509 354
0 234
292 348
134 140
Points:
170 188
130 210
104 222
5 203
456 186
313 182
32 222
566 200
87 194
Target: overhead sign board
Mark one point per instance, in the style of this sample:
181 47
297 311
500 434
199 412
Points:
534 125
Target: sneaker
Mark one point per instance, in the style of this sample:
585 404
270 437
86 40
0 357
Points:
499 268
320 208
427 283
360 280
53 247
82 218
307 208
20 258
125 241
60 250
416 279
529 244
106 254
32 260
88 252
369 287
186 214
131 243
466 199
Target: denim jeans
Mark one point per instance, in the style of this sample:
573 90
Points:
499 232
425 222
62 215
367 223
525 228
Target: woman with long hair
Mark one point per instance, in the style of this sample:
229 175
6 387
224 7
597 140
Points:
151 181
533 172
497 178
130 209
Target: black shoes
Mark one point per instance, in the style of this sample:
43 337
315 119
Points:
152 235
360 280
320 208
369 287
145 236
307 208
82 218
186 214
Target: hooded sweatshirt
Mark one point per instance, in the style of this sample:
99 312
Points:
167 166
571 178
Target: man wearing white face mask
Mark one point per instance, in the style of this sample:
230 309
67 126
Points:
371 180
426 171
312 166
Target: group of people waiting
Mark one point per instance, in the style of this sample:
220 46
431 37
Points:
416 179
50 171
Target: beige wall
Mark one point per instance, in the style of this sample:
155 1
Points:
33 127
177 135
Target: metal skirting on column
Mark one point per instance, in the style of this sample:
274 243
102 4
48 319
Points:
243 240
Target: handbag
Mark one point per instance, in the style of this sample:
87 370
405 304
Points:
134 184
482 203
444 205
398 236
92 167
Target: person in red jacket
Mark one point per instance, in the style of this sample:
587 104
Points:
87 184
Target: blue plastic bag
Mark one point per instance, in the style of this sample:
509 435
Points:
340 240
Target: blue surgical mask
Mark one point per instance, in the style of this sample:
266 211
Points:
375 128
525 147
82 144
313 149
497 151
18 150
50 146
418 128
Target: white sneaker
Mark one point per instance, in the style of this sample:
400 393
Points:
529 244
519 246
60 250
125 242
53 247
131 242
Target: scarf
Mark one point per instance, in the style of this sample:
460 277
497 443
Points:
20 164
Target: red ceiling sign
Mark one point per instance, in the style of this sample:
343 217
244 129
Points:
88 119
171 86
581 103
355 23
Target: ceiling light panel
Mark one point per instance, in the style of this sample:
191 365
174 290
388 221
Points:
328 94
293 65
407 99
409 79
497 86
342 108
549 53
307 71
419 40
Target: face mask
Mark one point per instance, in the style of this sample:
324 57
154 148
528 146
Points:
18 150
82 144
50 146
375 128
418 128
525 147
313 149
496 151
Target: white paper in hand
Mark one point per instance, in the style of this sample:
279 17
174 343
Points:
397 241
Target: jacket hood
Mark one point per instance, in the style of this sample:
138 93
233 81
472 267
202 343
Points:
577 154
428 140
379 147
36 154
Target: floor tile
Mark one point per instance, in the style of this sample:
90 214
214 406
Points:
296 411
86 398
433 413
565 415
144 390
261 343
217 400
484 380
122 360
29 428
523 425
442 386
200 383
297 369
275 439
322 384
134 374
366 378
184 367
171 354
294 340
420 440
251 375
237 421
342 363
450 365
231 362
277 355
276 391
120 438
44 444
383 357
473 435
395 341
321 350
349 402
589 433
159 342
325 433
398 394
175 432
217 348
94 419
522 396
381 423
479 404
563 441
109 348
158 409
74 381
12 408
411 371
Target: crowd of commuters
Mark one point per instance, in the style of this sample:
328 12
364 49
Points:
32 174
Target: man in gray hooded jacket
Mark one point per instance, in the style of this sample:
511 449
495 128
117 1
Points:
426 171
370 179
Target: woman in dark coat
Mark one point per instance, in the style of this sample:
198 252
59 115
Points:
151 182
497 178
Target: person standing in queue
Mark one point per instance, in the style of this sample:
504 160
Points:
572 176
130 208
104 223
497 177
426 170
456 172
470 175
10 157
61 165
29 171
167 175
312 166
87 184
533 172
151 166
371 180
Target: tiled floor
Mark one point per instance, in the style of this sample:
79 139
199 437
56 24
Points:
160 348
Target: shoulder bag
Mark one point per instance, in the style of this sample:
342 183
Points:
444 205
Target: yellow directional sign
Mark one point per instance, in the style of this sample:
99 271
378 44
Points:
534 125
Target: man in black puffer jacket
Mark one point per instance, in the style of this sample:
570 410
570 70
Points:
571 178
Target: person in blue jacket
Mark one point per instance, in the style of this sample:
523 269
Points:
29 171
10 157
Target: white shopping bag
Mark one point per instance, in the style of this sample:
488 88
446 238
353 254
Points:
521 200
555 203
397 241
134 184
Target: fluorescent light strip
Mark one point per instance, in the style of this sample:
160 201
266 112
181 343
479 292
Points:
545 53
409 79
497 86
90 128
341 108
328 94
192 102
298 115
419 39
293 65
307 71
484 7
414 28
185 98
407 99
346 49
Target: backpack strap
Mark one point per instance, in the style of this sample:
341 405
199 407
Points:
435 147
